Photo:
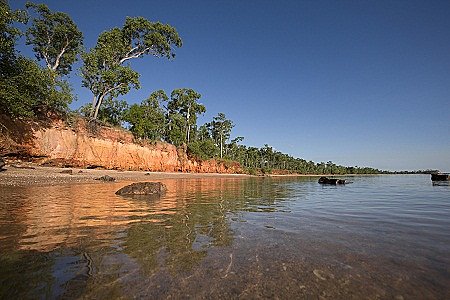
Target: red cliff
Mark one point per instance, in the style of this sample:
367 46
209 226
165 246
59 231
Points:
83 145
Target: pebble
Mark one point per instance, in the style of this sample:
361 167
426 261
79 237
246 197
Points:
319 275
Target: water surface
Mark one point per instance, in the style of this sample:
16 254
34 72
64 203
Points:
379 237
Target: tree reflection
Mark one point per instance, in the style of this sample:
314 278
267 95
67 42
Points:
180 241
83 241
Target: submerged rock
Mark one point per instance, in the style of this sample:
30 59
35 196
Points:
326 180
143 188
66 172
106 178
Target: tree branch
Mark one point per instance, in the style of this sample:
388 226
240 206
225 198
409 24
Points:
113 88
58 58
131 55
47 62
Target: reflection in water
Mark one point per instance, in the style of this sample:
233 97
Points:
227 237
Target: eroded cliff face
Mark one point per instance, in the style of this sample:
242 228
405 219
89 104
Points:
110 148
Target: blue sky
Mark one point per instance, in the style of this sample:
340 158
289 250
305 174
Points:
362 83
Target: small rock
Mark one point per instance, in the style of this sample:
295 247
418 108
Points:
2 164
80 171
319 274
143 188
66 172
23 167
106 178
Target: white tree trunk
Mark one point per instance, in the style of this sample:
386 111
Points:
97 106
188 128
221 146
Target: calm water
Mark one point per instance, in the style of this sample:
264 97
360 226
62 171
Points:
380 237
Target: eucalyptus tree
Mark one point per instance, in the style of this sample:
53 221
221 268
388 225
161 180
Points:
148 120
55 38
25 88
221 130
183 109
204 132
236 151
111 112
104 71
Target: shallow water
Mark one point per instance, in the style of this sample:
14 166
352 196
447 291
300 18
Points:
379 237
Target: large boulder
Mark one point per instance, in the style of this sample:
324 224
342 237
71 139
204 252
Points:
143 189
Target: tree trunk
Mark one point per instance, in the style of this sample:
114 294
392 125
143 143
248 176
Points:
94 102
97 106
188 127
221 146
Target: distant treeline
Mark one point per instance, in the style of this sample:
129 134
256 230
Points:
428 171
31 90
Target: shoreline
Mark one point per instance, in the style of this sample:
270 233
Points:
29 174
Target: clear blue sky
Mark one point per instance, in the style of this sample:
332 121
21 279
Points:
362 83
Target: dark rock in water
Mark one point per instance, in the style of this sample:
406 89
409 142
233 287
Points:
106 178
66 172
143 188
2 164
440 177
326 180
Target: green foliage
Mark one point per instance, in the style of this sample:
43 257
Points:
9 33
147 120
221 130
26 89
103 70
111 112
205 149
251 171
183 109
204 132
175 129
55 38
267 160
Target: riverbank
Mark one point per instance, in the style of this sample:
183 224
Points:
26 174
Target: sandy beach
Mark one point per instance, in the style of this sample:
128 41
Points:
30 174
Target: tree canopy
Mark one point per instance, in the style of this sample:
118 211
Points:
184 108
55 38
25 88
104 72
221 130
148 119
9 33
